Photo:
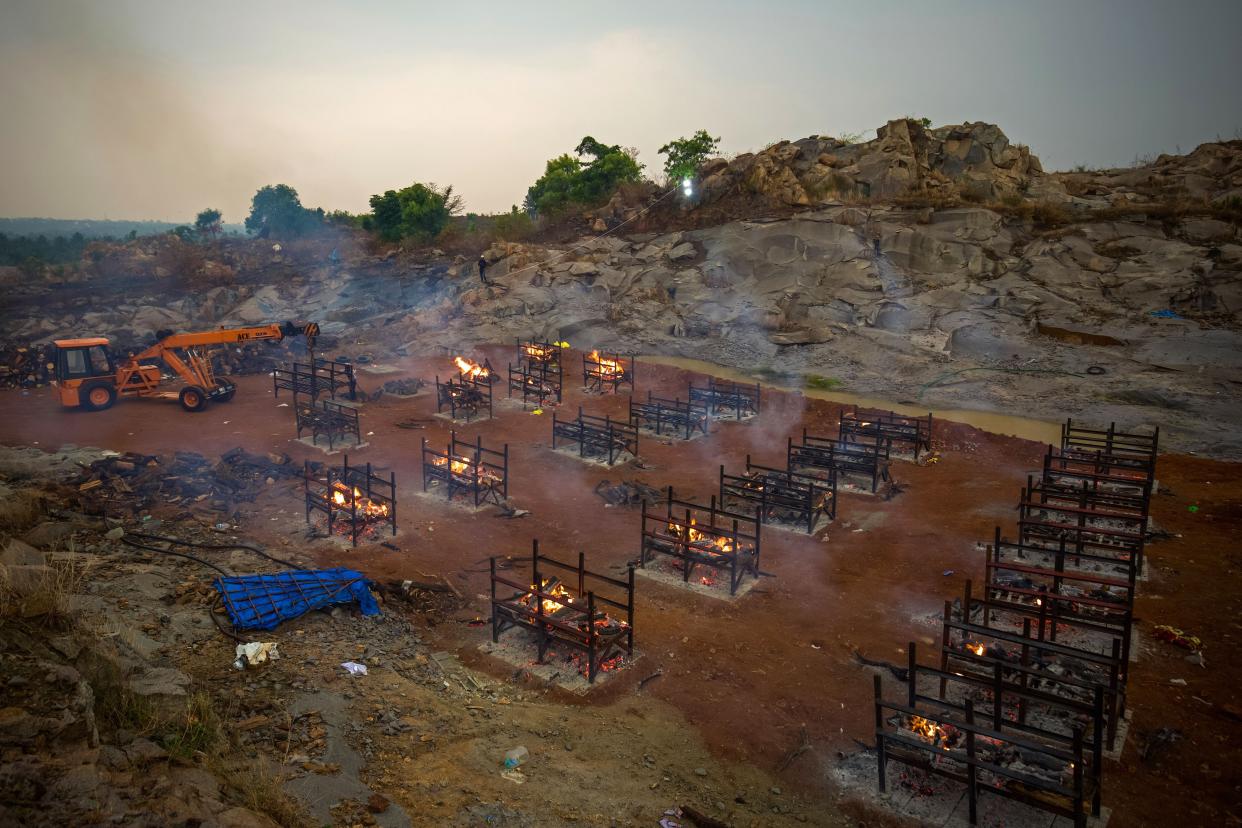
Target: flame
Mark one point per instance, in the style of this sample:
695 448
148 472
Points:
608 368
539 353
976 647
717 544
560 594
461 466
470 368
924 728
344 497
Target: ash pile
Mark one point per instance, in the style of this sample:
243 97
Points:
129 483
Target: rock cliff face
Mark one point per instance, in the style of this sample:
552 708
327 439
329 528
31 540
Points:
904 159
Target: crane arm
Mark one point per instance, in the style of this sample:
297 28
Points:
227 335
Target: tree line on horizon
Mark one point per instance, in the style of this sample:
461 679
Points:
421 212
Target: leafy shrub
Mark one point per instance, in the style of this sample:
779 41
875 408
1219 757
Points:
686 155
569 181
419 212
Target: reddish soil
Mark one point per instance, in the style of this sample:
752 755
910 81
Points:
779 658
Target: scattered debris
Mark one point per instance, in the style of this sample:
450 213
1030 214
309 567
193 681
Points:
354 668
255 652
1164 632
515 757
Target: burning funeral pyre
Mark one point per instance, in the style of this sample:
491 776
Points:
471 369
594 622
470 469
355 501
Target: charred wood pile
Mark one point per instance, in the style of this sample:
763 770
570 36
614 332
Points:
627 493
126 484
25 366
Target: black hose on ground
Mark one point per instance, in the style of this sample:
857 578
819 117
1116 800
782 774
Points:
198 545
126 540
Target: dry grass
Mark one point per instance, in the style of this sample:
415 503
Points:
1174 210
253 785
43 593
198 734
20 511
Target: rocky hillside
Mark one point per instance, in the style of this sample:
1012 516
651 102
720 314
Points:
905 158
942 266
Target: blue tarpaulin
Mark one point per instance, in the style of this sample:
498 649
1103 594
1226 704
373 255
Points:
262 602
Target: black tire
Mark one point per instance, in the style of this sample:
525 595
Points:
98 397
193 398
226 396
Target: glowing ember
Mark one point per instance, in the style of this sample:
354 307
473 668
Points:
608 368
976 647
470 368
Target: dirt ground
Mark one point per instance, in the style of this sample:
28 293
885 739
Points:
747 676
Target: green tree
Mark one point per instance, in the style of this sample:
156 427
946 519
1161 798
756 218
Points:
686 155
207 223
554 189
567 180
277 210
419 212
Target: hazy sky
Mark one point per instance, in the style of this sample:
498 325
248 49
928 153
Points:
127 109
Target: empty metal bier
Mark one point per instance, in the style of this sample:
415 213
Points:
823 454
596 437
781 496
659 414
330 420
725 398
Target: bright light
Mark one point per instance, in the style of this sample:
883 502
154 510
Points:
687 187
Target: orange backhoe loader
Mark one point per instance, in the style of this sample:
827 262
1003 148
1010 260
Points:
88 377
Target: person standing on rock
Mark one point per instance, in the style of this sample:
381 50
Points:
483 271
